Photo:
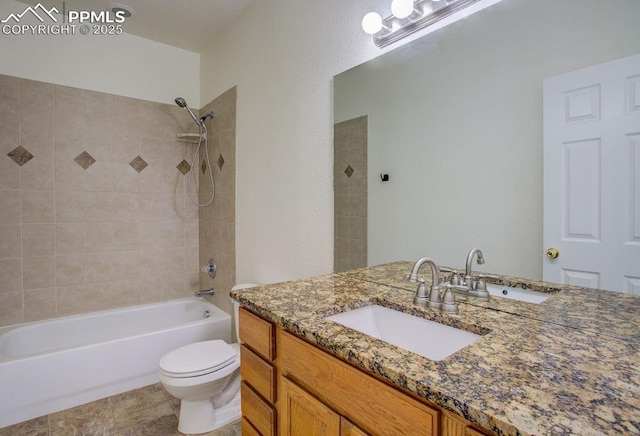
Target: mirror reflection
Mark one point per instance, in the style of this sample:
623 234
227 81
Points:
455 121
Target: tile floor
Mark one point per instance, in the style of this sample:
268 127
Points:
148 411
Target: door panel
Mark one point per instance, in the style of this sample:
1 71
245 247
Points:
592 176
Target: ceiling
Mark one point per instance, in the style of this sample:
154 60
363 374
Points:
187 24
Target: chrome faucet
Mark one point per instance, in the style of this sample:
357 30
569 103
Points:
477 287
434 299
413 277
468 281
209 292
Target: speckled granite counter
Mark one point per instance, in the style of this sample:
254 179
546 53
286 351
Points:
526 375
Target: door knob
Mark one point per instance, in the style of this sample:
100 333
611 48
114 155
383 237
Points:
553 253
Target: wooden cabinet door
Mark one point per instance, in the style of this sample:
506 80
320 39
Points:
304 415
348 429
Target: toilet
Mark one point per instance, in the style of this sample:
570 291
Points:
206 377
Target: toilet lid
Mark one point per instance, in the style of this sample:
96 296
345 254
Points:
198 358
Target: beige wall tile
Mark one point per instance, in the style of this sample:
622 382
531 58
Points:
10 206
11 308
191 259
10 240
69 122
70 269
70 238
150 179
151 150
70 207
37 174
39 304
99 177
39 272
73 299
37 102
99 206
69 176
37 206
99 236
9 113
9 173
38 240
126 235
11 275
127 207
125 178
191 233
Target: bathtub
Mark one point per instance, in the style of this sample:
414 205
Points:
64 362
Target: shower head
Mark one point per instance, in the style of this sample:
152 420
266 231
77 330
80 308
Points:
183 104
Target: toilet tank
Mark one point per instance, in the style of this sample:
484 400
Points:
236 306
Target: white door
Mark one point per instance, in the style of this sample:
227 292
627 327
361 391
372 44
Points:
592 177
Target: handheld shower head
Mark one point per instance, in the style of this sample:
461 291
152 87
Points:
183 104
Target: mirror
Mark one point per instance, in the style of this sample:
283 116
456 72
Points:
455 120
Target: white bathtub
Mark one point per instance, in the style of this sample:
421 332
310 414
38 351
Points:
60 363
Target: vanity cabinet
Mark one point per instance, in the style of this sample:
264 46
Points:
291 388
258 389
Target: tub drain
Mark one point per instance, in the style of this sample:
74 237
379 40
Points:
206 314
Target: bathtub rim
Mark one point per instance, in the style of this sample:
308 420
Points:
6 329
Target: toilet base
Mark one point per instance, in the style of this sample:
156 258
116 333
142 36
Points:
201 417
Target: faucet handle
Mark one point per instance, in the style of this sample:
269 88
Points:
481 284
422 297
455 275
449 303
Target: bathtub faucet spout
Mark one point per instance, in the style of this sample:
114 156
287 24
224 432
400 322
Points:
210 292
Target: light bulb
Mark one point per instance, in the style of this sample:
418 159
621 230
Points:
402 8
372 23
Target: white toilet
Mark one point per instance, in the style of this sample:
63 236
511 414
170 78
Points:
206 377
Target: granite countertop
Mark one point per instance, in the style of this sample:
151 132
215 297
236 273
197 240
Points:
567 366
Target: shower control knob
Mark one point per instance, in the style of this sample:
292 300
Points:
210 268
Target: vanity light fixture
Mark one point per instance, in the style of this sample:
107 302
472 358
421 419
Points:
408 17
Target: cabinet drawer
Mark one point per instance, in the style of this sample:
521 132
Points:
258 373
259 413
248 429
369 403
257 334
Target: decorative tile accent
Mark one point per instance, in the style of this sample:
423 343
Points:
20 155
85 160
220 162
349 171
203 166
138 164
184 167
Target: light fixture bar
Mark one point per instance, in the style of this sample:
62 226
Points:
395 29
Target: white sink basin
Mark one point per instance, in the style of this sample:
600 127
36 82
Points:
519 294
429 339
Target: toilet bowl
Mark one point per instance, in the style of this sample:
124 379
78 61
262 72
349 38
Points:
206 377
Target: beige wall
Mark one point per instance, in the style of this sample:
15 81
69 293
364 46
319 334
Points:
76 240
218 221
350 194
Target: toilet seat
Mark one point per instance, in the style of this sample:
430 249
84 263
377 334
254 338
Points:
197 359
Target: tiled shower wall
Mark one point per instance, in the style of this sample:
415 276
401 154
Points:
217 221
93 210
350 193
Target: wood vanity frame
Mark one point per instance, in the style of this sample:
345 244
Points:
292 388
